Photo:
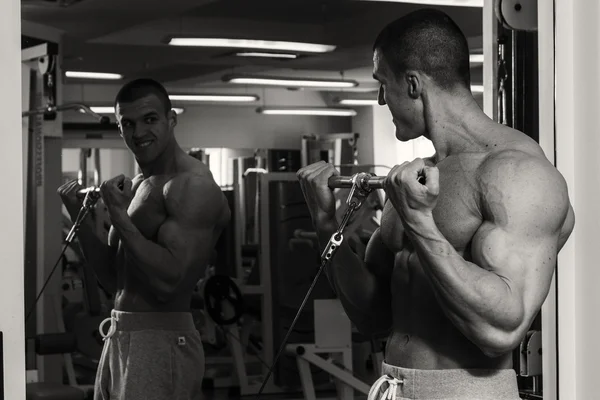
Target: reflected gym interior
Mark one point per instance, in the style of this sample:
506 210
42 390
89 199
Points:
254 137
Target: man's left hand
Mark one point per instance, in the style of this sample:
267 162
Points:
413 189
116 193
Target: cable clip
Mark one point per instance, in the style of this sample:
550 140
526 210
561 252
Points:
354 202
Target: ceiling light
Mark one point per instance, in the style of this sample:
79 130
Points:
265 54
92 75
477 88
214 97
289 82
476 58
324 111
251 44
111 110
460 3
359 102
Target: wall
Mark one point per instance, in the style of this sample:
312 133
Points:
112 162
577 98
378 144
11 212
231 126
363 124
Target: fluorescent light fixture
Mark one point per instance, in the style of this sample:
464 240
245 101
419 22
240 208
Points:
477 88
359 102
265 54
322 111
111 110
476 58
93 75
289 82
458 3
214 97
251 44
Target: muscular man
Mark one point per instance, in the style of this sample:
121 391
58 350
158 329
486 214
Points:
165 223
463 261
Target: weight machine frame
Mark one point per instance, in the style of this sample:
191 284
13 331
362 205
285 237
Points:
43 219
249 384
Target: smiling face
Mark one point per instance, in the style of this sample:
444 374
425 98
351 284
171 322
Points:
146 127
400 91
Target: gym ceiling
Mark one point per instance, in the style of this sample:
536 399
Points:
129 37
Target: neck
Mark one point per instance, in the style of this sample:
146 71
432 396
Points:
165 163
454 124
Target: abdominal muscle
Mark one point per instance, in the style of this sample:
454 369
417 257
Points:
133 295
422 336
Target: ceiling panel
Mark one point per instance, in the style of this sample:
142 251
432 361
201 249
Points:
128 36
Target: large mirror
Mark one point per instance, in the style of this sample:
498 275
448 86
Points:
231 111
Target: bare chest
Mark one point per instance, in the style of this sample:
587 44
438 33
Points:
147 209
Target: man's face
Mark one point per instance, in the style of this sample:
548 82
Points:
145 126
394 91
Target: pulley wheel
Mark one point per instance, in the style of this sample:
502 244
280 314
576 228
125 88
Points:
223 300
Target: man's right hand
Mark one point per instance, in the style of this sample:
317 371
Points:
68 195
319 197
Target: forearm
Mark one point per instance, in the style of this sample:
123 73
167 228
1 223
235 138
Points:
149 261
98 255
365 298
479 302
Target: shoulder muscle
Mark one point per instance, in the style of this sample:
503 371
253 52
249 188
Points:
518 189
193 198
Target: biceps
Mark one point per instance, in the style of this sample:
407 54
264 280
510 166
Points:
378 258
525 264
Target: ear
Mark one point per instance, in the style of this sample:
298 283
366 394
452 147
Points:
119 128
414 84
172 115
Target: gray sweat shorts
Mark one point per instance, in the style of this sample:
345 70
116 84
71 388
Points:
399 383
150 356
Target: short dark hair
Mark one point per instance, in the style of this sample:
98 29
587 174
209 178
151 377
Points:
427 40
138 88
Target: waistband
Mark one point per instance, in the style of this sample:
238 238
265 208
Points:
139 321
463 384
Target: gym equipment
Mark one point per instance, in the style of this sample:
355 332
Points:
273 270
362 182
519 15
42 213
334 148
291 270
220 292
516 68
49 344
332 337
42 124
50 110
358 193
502 81
63 343
90 199
530 363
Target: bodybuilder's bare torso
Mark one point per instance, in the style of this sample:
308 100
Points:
147 212
422 336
